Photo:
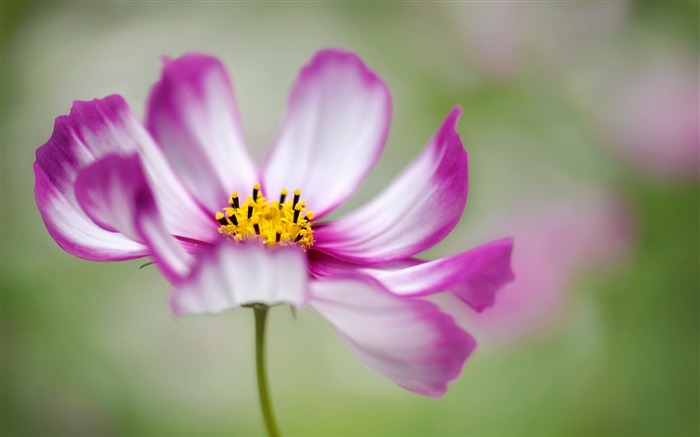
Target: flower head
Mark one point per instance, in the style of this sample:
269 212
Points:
182 189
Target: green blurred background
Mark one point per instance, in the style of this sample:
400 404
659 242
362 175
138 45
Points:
561 100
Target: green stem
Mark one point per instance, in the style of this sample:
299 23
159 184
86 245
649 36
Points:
268 417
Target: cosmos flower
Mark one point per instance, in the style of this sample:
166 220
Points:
182 190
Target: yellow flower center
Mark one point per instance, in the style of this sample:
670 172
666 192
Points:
273 223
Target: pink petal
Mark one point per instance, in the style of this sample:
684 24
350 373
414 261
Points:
192 113
414 213
494 35
333 132
114 193
92 130
233 274
475 275
74 231
410 341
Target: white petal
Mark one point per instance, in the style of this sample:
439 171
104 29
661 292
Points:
192 114
407 340
95 129
115 194
414 213
234 274
333 132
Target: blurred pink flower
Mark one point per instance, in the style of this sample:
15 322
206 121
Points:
555 244
110 189
502 38
493 35
652 113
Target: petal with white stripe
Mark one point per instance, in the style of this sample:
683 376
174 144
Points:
333 131
407 340
192 114
414 213
474 275
115 194
92 130
234 274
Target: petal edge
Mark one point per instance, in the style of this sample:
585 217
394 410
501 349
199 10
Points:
415 212
409 341
333 131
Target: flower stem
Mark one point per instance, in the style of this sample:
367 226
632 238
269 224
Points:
260 317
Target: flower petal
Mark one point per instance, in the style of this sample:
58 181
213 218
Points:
333 132
74 231
475 275
408 340
192 114
232 274
94 129
414 213
114 193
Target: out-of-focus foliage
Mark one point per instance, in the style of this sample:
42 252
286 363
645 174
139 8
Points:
578 107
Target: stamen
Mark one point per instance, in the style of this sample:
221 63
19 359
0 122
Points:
234 200
233 218
256 190
297 211
283 197
297 195
221 219
272 223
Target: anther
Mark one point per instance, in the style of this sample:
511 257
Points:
283 223
297 196
221 219
297 211
234 200
233 218
256 190
283 197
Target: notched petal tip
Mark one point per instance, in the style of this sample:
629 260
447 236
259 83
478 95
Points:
492 272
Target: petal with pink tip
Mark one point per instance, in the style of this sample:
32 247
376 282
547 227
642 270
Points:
333 132
475 275
414 213
115 194
407 340
234 274
94 129
192 114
